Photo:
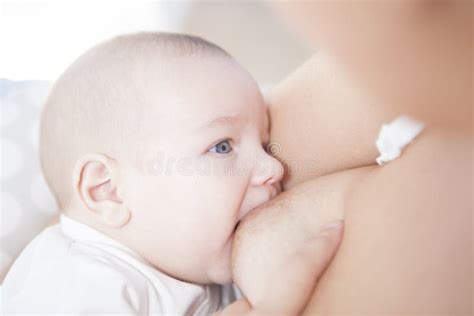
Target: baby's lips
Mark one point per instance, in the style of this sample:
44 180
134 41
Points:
236 226
274 191
278 189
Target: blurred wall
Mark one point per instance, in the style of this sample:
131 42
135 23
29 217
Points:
253 33
41 38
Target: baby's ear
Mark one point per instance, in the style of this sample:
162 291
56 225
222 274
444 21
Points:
95 181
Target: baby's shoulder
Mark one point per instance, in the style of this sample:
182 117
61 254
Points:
57 274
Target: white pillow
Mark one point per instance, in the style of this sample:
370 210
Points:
27 205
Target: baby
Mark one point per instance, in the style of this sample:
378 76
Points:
154 147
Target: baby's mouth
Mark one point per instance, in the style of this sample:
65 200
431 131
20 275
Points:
236 225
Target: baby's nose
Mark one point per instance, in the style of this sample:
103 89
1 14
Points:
267 170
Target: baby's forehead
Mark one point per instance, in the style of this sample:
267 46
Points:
200 87
190 71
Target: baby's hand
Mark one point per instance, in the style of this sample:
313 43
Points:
277 261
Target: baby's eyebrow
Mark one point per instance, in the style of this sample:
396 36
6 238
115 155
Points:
227 120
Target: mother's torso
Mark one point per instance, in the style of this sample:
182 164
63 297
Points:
408 239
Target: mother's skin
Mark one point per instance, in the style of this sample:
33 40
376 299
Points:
408 238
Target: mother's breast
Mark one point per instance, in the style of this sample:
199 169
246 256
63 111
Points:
408 238
322 122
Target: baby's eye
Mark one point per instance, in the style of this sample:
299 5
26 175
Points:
223 147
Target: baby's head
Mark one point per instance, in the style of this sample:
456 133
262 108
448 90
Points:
158 140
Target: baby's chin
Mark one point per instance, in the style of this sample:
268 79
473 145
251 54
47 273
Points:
220 271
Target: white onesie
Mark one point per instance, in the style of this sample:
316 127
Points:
70 268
